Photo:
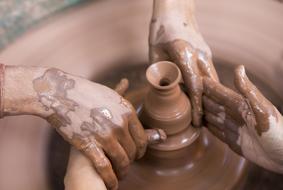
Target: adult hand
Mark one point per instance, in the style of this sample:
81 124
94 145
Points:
93 118
247 122
174 36
80 174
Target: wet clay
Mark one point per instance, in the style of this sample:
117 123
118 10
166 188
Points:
261 106
167 107
80 174
174 36
93 118
189 156
52 90
246 121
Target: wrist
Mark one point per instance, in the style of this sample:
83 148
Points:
18 96
174 8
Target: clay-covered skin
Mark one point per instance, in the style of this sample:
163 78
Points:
174 36
93 118
80 174
247 122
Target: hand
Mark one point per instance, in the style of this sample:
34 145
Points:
247 122
174 36
90 116
96 120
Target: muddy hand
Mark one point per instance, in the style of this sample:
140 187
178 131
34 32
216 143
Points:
247 122
153 135
93 118
113 143
174 36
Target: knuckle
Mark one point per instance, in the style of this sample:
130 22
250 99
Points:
86 146
132 153
142 147
107 135
125 163
103 165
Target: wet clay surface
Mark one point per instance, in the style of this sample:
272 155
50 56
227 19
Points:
196 165
165 105
257 177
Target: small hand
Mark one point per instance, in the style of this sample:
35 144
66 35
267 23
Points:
94 119
247 122
178 40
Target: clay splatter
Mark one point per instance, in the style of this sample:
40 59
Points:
52 90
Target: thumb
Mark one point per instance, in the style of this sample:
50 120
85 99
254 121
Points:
155 136
261 107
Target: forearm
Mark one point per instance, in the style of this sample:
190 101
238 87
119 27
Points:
80 174
174 20
175 9
19 96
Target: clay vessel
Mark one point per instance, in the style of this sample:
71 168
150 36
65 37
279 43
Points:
167 107
189 158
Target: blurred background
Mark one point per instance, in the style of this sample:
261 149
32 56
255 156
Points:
94 38
16 17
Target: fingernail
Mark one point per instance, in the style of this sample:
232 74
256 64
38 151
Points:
241 72
162 134
122 86
241 78
155 136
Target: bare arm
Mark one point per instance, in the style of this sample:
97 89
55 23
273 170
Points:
93 118
80 174
175 20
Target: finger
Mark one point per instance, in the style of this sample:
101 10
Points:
206 66
101 164
138 134
222 121
222 112
195 94
261 107
211 106
122 86
217 121
231 125
193 82
215 108
223 95
184 55
127 143
232 139
216 132
156 53
118 157
155 136
229 138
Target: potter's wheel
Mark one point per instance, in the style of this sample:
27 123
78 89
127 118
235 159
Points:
210 165
81 41
205 164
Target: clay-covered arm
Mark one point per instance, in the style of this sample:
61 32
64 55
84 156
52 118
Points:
18 95
169 8
93 118
170 15
174 36
247 122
